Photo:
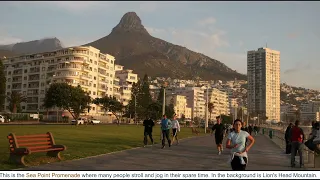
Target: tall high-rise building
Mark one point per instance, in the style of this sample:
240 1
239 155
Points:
263 71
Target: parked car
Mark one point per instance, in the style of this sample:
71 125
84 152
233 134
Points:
81 120
95 121
2 119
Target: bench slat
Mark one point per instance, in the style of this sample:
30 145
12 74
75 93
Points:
46 150
33 140
32 136
39 147
35 143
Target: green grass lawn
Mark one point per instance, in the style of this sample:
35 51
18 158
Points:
81 141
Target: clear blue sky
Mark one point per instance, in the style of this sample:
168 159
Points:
222 30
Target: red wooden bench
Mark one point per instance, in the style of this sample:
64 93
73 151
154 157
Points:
20 146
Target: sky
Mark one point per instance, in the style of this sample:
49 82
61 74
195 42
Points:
221 30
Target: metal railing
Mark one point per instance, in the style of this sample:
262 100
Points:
278 137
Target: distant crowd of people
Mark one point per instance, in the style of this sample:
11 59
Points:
239 139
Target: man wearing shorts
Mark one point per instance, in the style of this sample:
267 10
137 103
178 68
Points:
219 129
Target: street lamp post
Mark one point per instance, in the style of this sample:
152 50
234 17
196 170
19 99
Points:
164 99
207 102
135 108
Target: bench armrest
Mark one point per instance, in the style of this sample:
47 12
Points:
60 146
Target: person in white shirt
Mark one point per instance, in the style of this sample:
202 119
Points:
175 129
237 143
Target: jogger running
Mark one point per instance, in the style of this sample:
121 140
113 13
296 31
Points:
219 129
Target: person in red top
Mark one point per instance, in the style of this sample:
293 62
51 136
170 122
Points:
296 137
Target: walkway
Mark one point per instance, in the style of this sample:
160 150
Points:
198 153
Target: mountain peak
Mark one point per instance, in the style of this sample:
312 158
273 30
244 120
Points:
130 22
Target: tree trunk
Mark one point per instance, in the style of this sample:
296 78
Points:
14 110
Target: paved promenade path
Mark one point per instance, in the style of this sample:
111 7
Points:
197 153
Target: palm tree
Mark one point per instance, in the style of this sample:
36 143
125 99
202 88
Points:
15 98
210 108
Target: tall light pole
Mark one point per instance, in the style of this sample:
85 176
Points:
207 105
135 108
164 99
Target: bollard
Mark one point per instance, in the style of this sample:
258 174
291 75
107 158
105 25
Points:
310 157
263 131
316 161
270 133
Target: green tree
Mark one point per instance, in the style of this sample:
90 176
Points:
2 86
70 98
144 98
155 110
226 119
111 104
15 99
130 108
160 96
170 109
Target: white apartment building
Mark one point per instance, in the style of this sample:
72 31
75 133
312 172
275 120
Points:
306 107
180 105
233 106
220 102
126 79
263 71
32 74
195 100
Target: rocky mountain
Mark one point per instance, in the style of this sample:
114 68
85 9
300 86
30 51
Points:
136 49
36 46
6 53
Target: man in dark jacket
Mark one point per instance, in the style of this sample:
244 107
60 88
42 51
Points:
148 125
286 137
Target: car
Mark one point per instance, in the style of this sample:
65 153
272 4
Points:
2 119
95 121
81 120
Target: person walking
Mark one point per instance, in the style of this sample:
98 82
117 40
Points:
148 126
175 129
250 129
219 129
237 143
244 127
166 125
296 138
255 129
286 137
